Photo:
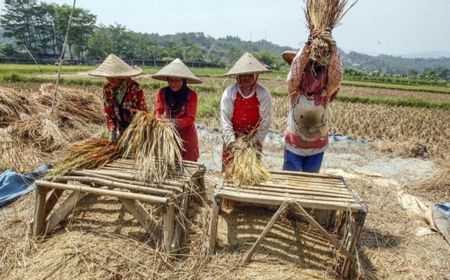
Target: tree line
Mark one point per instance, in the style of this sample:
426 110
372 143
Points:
38 28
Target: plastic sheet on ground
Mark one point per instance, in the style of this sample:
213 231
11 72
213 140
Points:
13 185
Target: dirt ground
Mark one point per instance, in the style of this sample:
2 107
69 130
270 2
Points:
102 241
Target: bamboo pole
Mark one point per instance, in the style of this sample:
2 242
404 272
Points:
306 174
319 199
314 223
126 195
39 211
143 217
266 230
129 176
108 177
168 225
272 200
282 189
114 184
217 202
64 209
178 235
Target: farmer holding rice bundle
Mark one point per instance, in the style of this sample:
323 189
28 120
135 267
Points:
246 106
179 103
313 82
122 96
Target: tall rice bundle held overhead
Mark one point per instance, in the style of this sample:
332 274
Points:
325 14
93 153
155 146
322 16
246 164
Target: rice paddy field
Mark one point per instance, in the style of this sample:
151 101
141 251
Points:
101 241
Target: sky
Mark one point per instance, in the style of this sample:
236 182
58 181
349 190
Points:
395 27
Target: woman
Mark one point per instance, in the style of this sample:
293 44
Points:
246 106
122 96
313 82
179 103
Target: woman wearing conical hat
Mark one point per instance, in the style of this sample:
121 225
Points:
246 106
313 82
179 103
122 96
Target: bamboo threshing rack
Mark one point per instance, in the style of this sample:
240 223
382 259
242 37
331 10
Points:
120 179
313 197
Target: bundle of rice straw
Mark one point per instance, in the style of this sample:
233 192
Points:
41 129
322 16
73 105
12 104
246 164
155 145
93 153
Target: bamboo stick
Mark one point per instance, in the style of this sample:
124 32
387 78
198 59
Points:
168 225
134 178
114 184
107 177
217 202
318 199
306 174
266 230
289 189
39 211
143 217
314 223
64 209
118 194
272 200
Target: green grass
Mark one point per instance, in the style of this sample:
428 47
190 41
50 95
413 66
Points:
422 88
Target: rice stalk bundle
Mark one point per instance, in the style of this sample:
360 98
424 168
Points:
155 145
12 104
322 16
246 164
91 154
41 129
325 14
74 106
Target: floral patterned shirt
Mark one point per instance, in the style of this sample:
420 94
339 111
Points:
120 110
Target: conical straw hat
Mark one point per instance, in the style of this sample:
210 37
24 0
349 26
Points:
114 67
176 69
288 56
247 64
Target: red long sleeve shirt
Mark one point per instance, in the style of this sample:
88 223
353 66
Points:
119 114
184 121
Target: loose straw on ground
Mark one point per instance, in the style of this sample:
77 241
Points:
155 145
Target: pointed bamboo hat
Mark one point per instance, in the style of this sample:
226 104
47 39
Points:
176 69
288 56
114 67
247 64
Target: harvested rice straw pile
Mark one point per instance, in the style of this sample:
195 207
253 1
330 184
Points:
246 165
73 104
154 144
18 156
93 153
43 130
12 104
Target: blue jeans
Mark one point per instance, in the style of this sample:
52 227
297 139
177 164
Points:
294 162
